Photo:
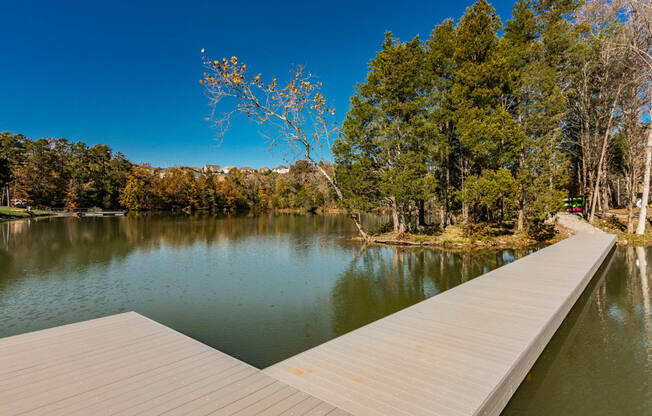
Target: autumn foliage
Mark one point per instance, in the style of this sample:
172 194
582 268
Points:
175 189
294 113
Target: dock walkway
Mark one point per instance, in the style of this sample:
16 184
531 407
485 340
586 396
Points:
127 364
462 352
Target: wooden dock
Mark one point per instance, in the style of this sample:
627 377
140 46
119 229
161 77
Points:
463 352
129 365
90 213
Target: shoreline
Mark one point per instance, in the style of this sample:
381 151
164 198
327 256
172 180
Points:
15 214
459 241
450 238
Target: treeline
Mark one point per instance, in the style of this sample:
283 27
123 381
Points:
184 188
485 122
60 173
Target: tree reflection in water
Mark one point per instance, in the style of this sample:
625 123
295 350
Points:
382 280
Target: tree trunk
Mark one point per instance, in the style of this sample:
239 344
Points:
399 227
358 225
447 200
630 217
601 161
642 215
421 222
605 193
340 196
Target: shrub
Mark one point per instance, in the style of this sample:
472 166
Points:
540 231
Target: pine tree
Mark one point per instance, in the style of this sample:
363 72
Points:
382 156
440 68
536 103
488 135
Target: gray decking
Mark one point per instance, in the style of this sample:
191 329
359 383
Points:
129 365
463 352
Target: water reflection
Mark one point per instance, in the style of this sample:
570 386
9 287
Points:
383 280
259 288
600 360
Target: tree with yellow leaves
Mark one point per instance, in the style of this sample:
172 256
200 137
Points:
296 112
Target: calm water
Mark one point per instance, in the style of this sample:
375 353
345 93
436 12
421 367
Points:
265 288
600 360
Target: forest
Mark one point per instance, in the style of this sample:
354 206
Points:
57 173
484 122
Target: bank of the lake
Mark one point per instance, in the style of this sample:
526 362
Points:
11 213
455 237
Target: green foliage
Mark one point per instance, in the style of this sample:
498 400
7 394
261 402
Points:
540 231
382 228
467 119
490 194
5 173
57 173
383 155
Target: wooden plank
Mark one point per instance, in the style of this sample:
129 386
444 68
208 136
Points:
128 364
463 352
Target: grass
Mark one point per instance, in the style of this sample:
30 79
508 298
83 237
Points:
9 213
618 226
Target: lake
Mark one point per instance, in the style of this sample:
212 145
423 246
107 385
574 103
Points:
263 288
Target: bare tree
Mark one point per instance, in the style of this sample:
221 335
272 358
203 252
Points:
639 42
296 113
633 139
600 84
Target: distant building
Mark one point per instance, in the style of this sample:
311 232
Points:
281 169
212 168
246 169
196 172
227 169
264 170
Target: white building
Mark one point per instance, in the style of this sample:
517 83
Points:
212 168
281 169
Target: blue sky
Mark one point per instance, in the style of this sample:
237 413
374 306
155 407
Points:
126 73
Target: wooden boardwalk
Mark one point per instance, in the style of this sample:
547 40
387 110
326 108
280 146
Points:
463 352
129 365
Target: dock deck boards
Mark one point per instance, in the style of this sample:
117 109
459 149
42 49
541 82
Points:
127 364
462 352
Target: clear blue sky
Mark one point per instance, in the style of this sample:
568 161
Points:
125 73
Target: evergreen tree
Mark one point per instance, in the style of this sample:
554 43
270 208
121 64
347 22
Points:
536 104
488 135
383 154
440 71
